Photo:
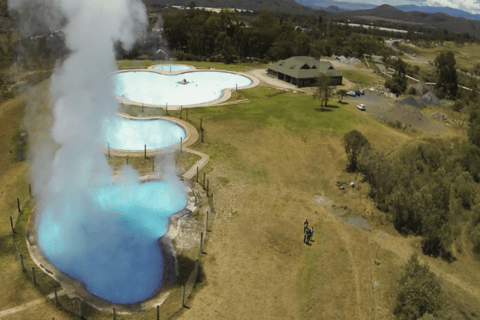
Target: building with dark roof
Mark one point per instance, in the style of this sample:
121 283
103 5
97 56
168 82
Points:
303 71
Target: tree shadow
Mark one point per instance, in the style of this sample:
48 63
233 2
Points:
322 110
342 102
331 106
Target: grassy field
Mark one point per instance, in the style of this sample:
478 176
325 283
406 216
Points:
361 79
269 159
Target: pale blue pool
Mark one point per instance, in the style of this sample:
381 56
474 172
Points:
172 67
107 238
158 89
133 135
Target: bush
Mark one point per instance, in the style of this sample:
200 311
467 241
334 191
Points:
457 106
419 292
395 86
412 91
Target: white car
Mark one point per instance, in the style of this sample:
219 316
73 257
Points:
351 93
361 107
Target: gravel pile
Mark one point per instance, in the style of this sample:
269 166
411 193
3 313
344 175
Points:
408 114
410 101
342 59
421 88
430 98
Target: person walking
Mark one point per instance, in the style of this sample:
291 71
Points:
305 224
305 237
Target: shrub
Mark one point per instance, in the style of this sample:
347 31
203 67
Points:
419 292
412 91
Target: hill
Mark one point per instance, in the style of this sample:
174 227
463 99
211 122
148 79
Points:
447 10
326 4
439 21
277 5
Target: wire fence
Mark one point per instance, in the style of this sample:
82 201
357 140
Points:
189 270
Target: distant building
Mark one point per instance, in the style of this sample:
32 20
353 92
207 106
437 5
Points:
303 71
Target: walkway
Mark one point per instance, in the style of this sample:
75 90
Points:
30 304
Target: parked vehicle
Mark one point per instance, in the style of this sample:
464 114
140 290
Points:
352 93
361 107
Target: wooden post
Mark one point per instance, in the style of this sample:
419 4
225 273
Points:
145 151
18 205
153 165
56 297
21 262
208 182
11 224
183 297
80 308
180 112
34 279
30 190
201 242
197 174
109 150
114 316
206 223
236 87
202 135
158 312
127 161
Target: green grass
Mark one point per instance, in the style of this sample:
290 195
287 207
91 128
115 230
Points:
296 113
358 77
143 64
136 111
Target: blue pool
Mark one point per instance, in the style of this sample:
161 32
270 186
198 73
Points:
172 67
107 237
158 89
135 134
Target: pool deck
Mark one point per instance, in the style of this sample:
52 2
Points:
226 93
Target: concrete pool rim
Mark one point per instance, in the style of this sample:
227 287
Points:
76 289
167 72
191 137
226 93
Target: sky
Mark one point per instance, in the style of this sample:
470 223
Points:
472 6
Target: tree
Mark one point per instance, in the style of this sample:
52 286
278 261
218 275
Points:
446 73
419 292
354 144
341 93
324 90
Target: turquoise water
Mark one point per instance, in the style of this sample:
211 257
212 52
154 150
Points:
158 89
107 238
135 134
172 67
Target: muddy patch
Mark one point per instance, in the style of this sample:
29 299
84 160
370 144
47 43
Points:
343 214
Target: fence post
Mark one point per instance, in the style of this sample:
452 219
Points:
208 182
201 242
127 160
153 165
11 224
30 190
158 312
21 262
109 150
206 223
34 279
114 316
145 151
204 181
181 109
197 174
80 308
56 297
183 297
18 205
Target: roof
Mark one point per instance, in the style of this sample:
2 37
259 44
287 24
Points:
304 67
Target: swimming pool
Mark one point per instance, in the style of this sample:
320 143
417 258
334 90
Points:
172 67
158 89
133 135
108 240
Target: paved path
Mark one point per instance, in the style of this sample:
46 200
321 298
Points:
30 304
